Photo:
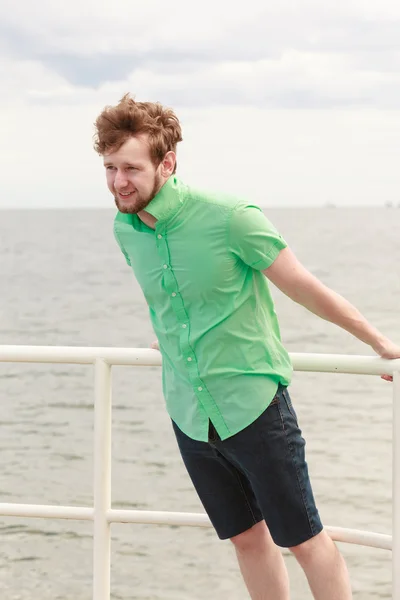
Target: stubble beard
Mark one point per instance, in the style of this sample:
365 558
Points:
140 202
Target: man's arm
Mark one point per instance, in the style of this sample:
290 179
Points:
294 280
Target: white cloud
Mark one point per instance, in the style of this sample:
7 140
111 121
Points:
296 80
331 52
228 71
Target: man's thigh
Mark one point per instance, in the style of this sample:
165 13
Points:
224 491
270 454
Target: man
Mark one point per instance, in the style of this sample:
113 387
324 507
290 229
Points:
203 262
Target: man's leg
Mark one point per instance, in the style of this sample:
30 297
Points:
264 571
324 567
261 564
271 453
232 507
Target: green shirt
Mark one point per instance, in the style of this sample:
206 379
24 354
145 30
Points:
210 305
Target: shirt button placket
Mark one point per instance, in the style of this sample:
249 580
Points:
171 282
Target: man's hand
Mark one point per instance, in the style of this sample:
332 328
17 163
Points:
155 346
389 351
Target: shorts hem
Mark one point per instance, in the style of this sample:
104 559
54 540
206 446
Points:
238 531
301 539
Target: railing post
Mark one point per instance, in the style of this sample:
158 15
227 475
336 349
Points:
396 488
102 481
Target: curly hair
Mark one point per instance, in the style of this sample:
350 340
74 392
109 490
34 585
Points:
116 124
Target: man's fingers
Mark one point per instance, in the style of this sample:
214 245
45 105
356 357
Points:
387 377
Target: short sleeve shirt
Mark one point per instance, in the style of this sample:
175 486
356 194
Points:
210 305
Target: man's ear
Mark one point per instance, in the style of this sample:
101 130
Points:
168 164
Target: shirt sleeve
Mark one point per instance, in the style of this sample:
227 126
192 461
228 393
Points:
121 247
253 238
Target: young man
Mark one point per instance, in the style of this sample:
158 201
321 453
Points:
203 261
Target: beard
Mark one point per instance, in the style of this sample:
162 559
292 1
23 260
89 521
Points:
140 201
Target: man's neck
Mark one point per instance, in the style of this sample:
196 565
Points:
147 219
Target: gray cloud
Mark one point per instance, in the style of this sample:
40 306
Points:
92 68
219 68
90 71
87 54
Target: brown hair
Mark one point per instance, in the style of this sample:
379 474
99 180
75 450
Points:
116 124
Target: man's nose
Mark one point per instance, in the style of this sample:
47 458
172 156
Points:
121 180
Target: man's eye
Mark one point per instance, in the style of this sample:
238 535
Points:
110 168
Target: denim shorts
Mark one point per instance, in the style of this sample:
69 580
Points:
259 473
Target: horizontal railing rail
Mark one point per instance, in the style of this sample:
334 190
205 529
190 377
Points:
144 357
102 514
154 517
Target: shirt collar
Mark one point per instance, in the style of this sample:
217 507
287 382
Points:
167 201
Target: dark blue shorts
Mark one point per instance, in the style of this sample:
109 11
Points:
259 473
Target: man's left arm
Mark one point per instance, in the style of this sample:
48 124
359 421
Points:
294 280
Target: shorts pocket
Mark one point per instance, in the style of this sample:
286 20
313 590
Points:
289 404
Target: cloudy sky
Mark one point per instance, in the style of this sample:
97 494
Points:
290 103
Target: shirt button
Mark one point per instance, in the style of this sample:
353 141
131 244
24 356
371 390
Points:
200 389
165 266
173 294
184 326
189 359
159 236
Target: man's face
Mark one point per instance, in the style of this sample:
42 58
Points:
132 177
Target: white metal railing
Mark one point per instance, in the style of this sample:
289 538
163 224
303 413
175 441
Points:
103 515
